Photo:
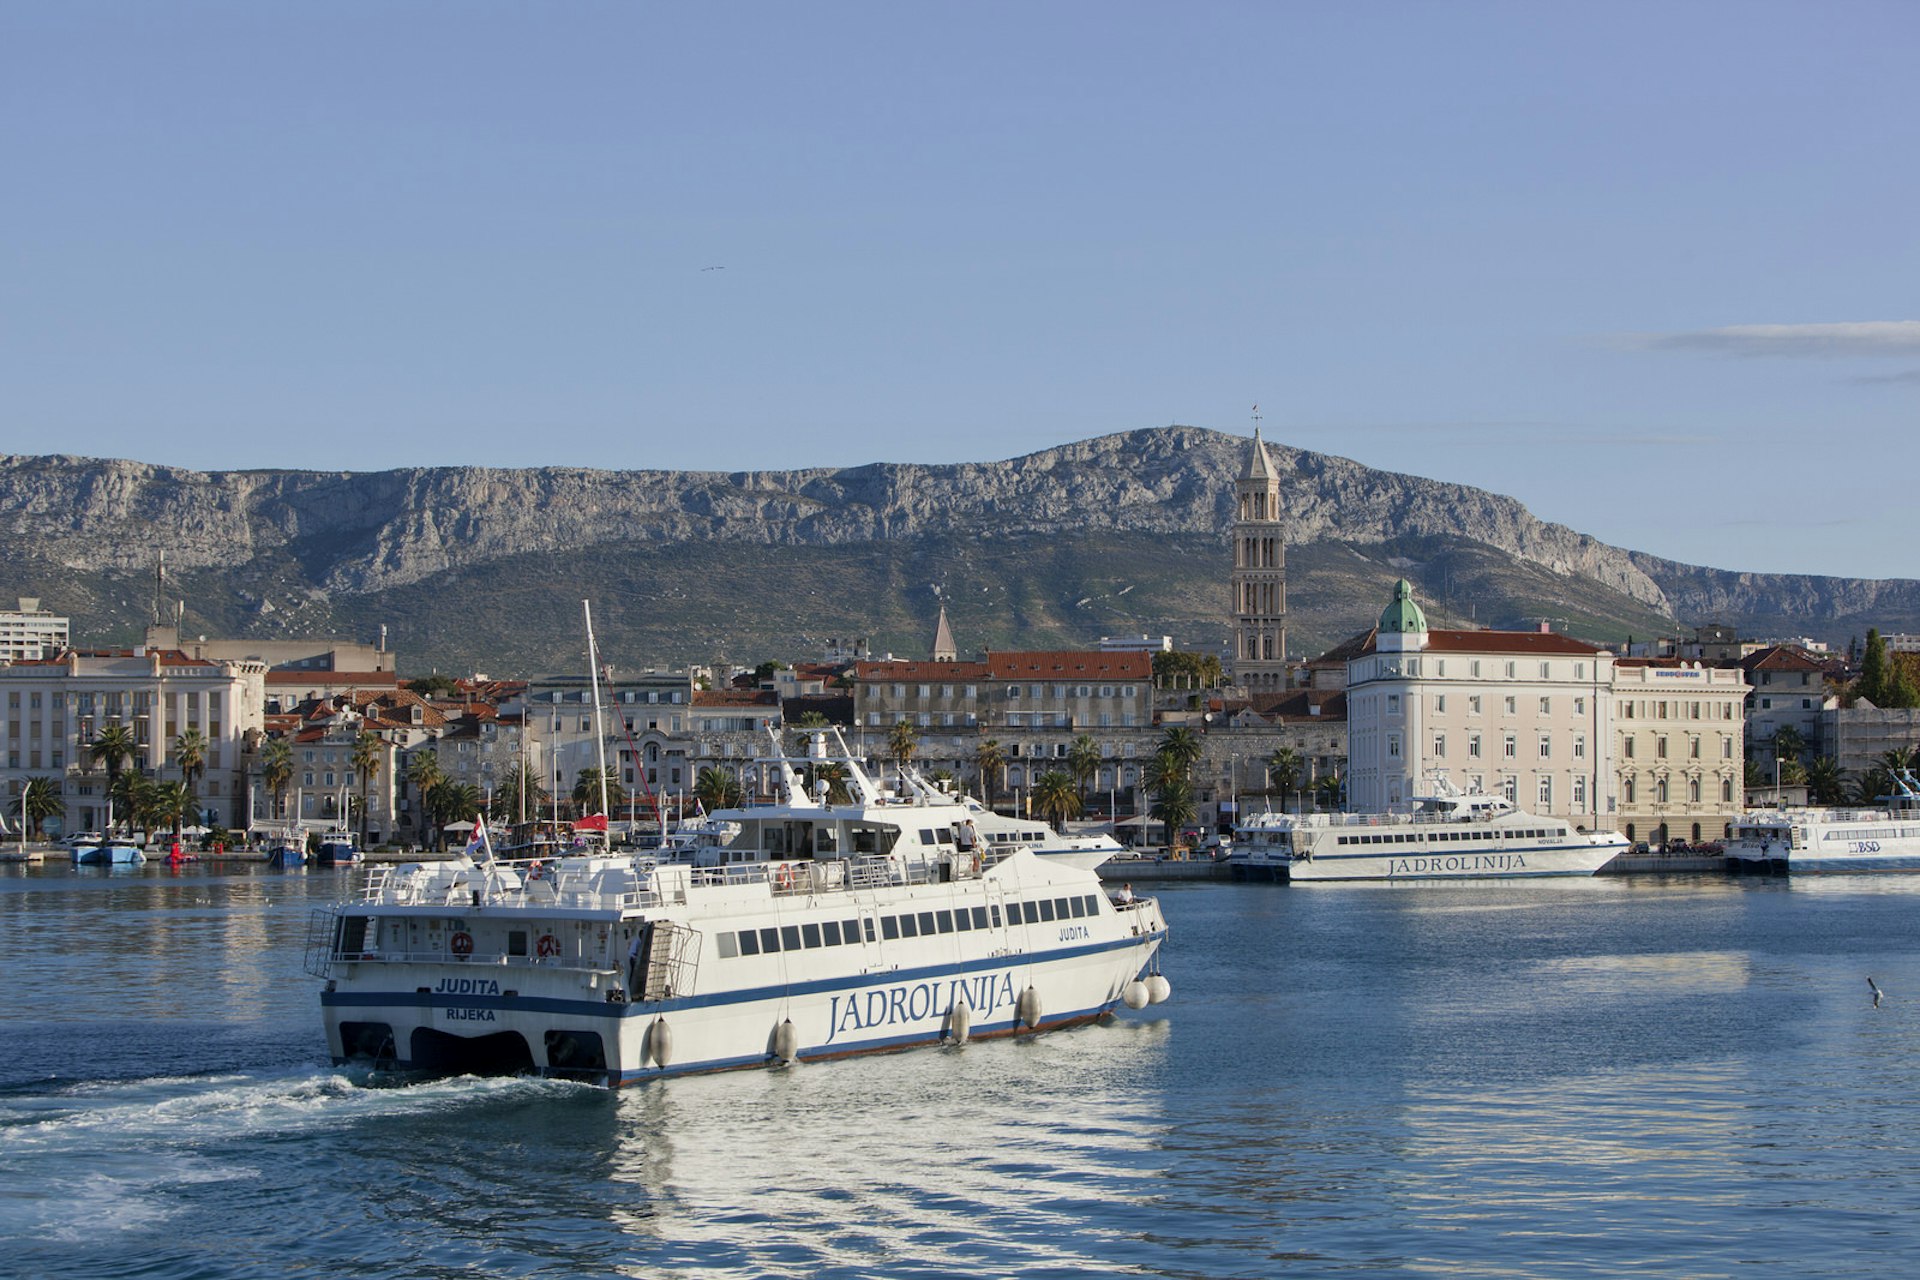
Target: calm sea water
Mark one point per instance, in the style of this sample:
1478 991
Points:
1680 1077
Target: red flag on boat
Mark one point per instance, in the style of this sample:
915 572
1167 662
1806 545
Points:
592 822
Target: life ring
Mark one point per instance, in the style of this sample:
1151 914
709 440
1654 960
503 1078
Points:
461 944
784 877
547 946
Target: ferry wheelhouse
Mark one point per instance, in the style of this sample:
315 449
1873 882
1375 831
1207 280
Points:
813 930
1815 841
1450 834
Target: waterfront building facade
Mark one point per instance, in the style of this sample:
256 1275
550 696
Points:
55 708
1679 748
1787 688
1522 714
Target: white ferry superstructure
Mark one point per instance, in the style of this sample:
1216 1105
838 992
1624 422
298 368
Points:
816 931
1817 841
1450 835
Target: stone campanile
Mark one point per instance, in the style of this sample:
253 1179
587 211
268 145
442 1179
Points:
1259 576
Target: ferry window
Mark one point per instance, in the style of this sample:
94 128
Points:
869 920
831 931
749 943
769 940
810 934
945 920
516 942
1014 914
729 945
909 927
963 920
996 914
1046 909
1061 909
980 917
926 836
926 924
863 842
890 926
1078 906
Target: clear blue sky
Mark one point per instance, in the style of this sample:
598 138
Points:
1653 269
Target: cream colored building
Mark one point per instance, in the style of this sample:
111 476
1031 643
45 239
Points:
30 633
1523 714
52 710
1679 761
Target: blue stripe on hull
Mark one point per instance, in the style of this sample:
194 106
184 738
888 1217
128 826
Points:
1819 866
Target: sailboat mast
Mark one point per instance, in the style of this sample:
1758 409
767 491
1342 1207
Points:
599 734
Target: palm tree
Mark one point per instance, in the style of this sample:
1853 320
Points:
1285 766
1083 761
991 761
41 800
717 788
901 741
1329 790
1788 743
423 774
113 746
447 800
276 770
1899 760
1173 805
586 790
1056 797
834 774
507 800
369 749
1183 744
1824 781
129 795
167 803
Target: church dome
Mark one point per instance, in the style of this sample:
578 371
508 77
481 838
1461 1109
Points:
1403 616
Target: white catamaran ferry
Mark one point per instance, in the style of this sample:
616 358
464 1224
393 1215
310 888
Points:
815 930
1450 835
1816 841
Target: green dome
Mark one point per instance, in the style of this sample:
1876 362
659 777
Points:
1403 616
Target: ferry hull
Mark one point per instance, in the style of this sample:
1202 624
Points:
550 1029
1491 865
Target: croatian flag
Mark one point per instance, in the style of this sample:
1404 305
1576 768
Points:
478 841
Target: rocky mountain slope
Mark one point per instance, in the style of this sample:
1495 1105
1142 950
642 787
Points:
276 553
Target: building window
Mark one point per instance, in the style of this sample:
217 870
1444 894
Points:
1626 792
1439 703
1393 746
1693 791
1660 747
1660 791
1546 706
1579 746
1726 790
1579 706
1473 704
1511 747
1627 748
1476 669
1579 794
1439 745
1546 670
1512 706
1473 746
1693 748
1393 704
1546 747
1546 794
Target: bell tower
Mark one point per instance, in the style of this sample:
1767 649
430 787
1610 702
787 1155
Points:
1259 574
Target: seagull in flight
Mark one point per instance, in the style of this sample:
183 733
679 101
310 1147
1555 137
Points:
1877 992
713 268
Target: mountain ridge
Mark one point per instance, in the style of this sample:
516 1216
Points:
347 536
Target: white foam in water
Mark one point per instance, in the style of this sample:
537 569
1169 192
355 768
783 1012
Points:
108 1157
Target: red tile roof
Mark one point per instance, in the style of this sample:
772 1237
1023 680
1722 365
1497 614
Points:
1048 664
927 671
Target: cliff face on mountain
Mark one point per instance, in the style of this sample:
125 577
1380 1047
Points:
288 541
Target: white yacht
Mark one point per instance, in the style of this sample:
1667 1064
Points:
1822 841
1449 835
812 930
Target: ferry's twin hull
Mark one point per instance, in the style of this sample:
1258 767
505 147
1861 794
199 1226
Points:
619 1044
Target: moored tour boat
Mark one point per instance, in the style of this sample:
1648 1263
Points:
1449 835
1820 841
815 930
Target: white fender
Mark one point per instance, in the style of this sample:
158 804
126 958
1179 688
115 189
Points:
1135 994
659 1043
1158 988
1028 1007
959 1022
786 1041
